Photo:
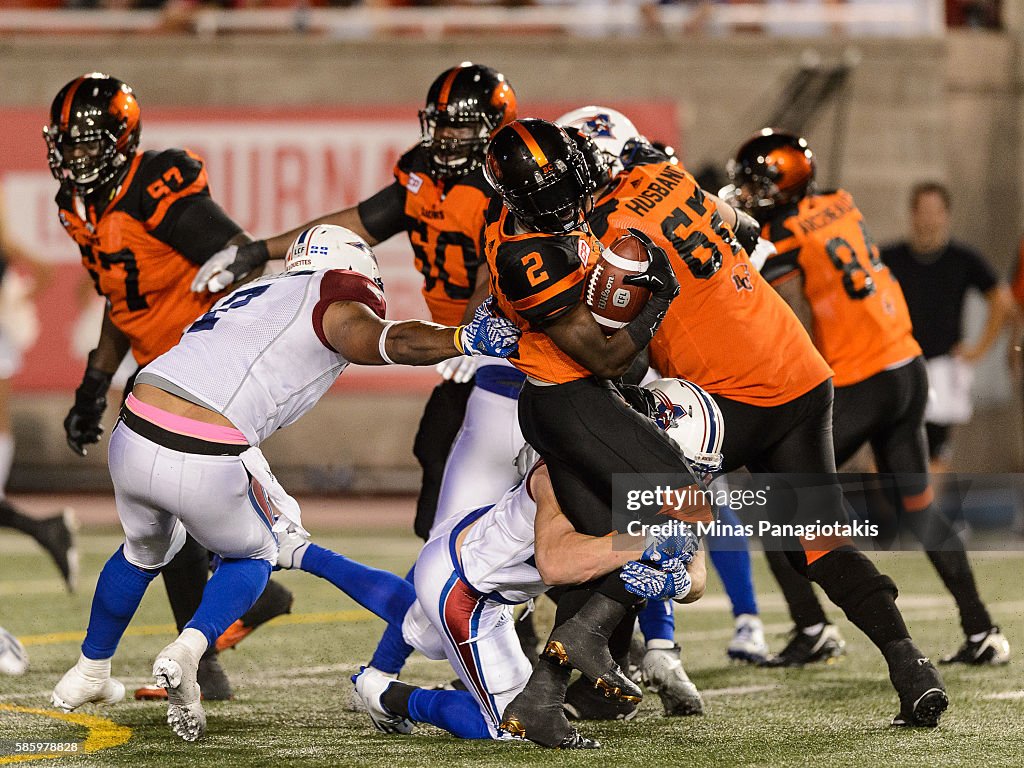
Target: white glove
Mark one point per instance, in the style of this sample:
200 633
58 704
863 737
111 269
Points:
214 276
458 369
763 251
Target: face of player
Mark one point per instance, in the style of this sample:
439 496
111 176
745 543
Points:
454 146
81 158
929 221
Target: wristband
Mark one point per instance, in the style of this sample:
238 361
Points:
95 383
380 343
458 341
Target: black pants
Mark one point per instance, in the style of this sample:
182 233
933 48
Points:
887 411
793 437
586 433
439 426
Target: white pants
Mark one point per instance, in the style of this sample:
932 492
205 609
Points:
477 635
160 493
481 463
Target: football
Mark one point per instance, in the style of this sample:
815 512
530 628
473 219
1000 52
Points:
611 301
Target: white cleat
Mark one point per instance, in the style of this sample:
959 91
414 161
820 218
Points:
664 674
76 689
291 547
748 643
175 669
370 686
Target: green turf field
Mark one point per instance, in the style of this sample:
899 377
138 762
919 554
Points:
291 683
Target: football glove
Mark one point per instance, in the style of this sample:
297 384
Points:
659 277
229 265
639 399
487 333
457 369
672 551
654 584
82 424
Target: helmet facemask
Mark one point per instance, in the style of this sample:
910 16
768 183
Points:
459 149
556 203
84 161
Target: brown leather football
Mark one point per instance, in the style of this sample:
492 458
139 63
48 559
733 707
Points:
612 302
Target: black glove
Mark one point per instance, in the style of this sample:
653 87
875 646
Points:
249 257
747 231
639 399
82 424
660 278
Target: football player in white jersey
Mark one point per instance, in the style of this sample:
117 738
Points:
184 455
480 563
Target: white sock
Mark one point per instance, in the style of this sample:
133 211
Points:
814 629
659 644
6 459
97 669
194 640
978 637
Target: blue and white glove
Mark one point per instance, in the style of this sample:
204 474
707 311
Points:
673 551
488 334
654 584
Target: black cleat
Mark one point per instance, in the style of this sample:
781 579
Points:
582 643
993 649
825 645
57 536
585 702
213 681
922 694
576 740
275 601
536 713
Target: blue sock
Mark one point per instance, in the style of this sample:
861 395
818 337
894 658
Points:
229 593
455 711
118 593
380 592
658 621
731 557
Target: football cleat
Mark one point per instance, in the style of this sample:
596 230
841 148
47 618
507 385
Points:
13 656
536 712
76 689
585 702
370 686
825 645
213 683
664 675
57 536
176 670
922 694
275 601
748 643
993 649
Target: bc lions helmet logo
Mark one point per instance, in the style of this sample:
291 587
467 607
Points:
599 125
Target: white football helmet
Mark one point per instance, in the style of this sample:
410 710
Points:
609 128
690 416
326 246
13 658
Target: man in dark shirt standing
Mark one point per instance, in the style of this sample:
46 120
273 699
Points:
935 273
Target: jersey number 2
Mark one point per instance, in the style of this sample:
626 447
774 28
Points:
535 271
239 299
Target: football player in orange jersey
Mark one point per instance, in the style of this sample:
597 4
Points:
724 334
569 411
828 270
143 223
438 198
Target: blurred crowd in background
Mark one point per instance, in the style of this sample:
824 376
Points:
959 13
